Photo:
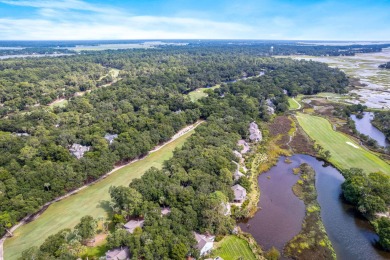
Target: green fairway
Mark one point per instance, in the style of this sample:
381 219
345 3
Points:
232 248
293 104
199 93
90 201
345 153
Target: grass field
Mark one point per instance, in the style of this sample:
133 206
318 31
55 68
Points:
199 93
61 103
92 200
345 153
233 248
293 104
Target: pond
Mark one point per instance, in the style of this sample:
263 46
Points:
280 219
364 126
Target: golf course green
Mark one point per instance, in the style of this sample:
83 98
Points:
199 93
92 200
345 153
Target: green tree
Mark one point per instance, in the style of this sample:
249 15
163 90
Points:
87 227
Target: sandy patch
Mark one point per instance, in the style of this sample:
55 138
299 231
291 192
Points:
353 145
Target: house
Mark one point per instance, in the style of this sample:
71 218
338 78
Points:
133 224
237 154
254 133
110 138
239 193
245 146
21 134
78 150
226 208
122 253
237 174
165 211
270 107
205 243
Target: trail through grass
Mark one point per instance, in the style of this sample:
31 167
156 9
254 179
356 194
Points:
293 104
232 248
343 154
90 201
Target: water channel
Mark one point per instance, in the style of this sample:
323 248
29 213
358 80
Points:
281 213
364 126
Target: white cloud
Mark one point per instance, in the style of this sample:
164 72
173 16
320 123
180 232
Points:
61 4
76 19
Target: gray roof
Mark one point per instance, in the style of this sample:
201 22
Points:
254 132
118 254
132 224
110 137
22 134
239 192
202 240
78 150
165 211
245 145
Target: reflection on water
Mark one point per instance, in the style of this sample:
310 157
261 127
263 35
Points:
364 126
280 219
281 214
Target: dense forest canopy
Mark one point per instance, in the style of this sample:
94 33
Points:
382 122
385 65
145 108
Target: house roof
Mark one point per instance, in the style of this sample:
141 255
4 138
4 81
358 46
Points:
110 137
132 224
202 240
165 211
254 132
239 192
118 254
245 145
78 150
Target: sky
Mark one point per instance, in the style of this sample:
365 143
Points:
201 19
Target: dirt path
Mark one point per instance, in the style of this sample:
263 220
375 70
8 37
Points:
35 215
299 105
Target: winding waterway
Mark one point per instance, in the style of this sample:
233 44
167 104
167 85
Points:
364 126
351 235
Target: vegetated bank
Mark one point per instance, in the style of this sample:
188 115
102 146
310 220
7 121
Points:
382 122
366 188
312 242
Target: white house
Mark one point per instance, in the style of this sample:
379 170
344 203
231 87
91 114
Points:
205 243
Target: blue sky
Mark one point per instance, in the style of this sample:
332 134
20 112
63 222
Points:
200 19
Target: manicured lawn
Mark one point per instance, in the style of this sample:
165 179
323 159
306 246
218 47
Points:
233 248
345 153
293 104
92 200
199 93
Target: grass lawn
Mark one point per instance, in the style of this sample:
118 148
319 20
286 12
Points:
345 153
199 93
232 248
62 103
293 104
90 201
